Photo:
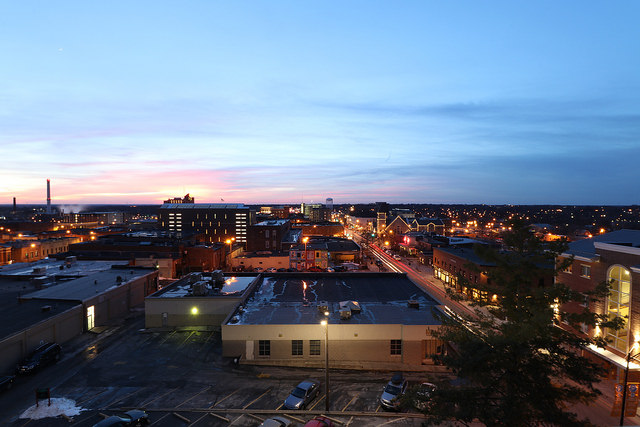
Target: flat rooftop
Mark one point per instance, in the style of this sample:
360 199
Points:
16 316
52 267
87 287
185 206
586 247
281 299
233 285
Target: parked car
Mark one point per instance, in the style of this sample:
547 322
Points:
423 395
276 422
6 382
302 395
390 397
131 418
330 270
258 270
315 269
271 270
282 270
320 421
42 356
397 257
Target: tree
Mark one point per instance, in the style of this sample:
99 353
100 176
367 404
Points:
519 358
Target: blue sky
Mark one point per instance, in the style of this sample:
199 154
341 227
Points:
283 102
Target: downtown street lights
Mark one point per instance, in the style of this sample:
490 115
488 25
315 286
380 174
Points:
325 323
305 240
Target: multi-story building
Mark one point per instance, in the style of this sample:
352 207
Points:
428 225
185 199
268 235
310 255
613 258
213 222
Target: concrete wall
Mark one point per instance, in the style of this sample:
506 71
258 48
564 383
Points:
60 329
349 345
211 311
116 302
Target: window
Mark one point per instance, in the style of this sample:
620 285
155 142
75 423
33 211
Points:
296 347
266 234
585 271
396 346
618 304
314 347
264 348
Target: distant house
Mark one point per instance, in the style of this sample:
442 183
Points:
399 225
428 225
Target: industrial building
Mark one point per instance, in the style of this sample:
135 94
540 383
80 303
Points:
375 320
62 310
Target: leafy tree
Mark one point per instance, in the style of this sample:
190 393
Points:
516 365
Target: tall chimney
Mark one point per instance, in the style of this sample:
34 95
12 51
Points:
14 205
48 197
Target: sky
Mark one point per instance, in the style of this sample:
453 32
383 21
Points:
497 102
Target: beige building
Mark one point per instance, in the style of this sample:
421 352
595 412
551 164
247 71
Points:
201 300
375 320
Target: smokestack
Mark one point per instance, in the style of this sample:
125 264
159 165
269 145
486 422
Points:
48 197
14 205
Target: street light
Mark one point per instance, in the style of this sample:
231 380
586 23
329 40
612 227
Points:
325 323
626 376
305 240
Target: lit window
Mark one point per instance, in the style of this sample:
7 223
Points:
618 304
585 271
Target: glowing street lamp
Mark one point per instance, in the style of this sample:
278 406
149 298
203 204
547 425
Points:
626 377
305 240
325 323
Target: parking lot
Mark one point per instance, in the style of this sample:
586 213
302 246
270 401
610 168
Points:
180 378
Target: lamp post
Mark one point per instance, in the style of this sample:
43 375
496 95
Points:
626 377
230 242
325 323
305 240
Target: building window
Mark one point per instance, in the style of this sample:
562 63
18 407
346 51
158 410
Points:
618 304
296 347
585 271
264 348
314 347
266 234
396 346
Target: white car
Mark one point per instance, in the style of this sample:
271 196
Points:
275 422
397 257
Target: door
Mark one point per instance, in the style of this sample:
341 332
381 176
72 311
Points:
249 350
91 317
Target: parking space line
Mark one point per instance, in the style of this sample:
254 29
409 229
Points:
186 339
392 421
234 421
160 419
200 392
378 408
256 399
26 422
352 399
281 405
153 400
349 422
92 397
196 421
317 401
223 399
167 337
122 398
204 344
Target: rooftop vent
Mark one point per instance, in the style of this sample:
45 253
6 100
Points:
45 308
353 306
412 303
345 314
323 306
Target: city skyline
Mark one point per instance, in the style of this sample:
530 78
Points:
285 102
